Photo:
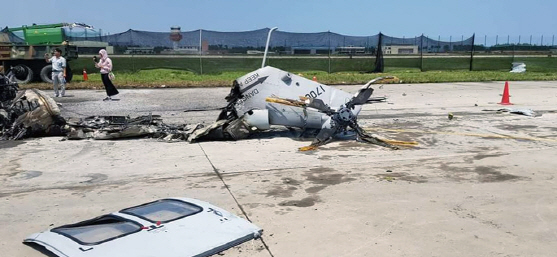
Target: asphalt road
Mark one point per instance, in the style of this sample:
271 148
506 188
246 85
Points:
481 184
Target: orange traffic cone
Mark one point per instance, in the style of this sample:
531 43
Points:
314 78
85 78
505 100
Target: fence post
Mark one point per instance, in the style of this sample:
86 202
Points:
472 52
422 53
329 51
379 65
133 59
200 53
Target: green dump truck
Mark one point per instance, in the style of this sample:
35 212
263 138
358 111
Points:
29 53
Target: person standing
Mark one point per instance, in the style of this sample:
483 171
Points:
58 71
105 65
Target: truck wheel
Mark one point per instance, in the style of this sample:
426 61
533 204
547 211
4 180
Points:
26 77
46 74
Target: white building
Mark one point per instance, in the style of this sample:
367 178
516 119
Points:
400 49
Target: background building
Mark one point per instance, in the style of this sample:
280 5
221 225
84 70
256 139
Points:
400 49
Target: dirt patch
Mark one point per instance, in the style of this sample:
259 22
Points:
325 157
347 145
431 141
483 156
489 174
323 176
402 176
306 202
95 178
255 205
409 124
278 191
551 128
290 181
10 143
315 189
485 174
516 127
30 174
482 149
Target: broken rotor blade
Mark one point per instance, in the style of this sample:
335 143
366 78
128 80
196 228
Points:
362 96
387 79
365 137
365 92
324 136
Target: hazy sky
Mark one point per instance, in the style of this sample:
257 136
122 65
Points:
356 18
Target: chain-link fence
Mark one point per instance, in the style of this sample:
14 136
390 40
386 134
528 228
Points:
204 51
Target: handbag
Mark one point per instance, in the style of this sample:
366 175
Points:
111 76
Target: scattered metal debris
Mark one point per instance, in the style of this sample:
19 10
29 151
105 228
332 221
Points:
518 67
526 112
114 127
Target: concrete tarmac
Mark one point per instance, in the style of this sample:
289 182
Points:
481 184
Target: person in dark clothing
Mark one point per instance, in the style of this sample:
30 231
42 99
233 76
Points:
105 65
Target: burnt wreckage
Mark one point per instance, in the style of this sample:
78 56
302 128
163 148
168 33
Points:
257 101
32 113
27 113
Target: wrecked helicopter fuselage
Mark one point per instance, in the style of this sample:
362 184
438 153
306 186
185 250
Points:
270 96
